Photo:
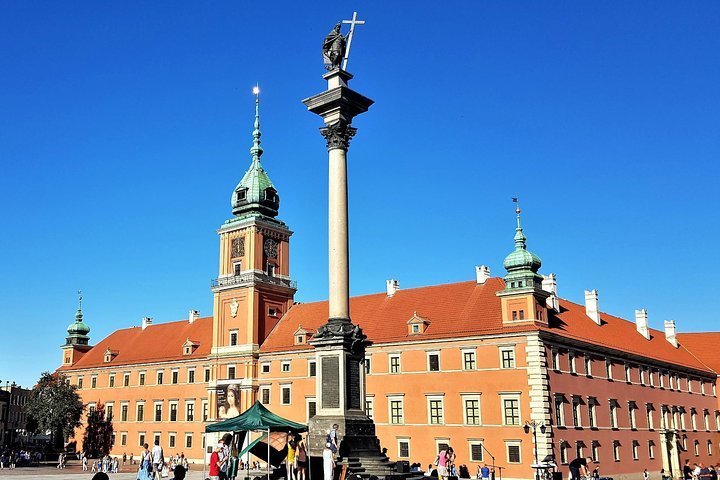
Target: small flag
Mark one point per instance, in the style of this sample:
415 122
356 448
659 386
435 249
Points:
515 199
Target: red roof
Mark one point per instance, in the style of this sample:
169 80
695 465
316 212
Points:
704 346
453 310
158 342
619 334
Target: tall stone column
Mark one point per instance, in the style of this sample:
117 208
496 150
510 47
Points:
340 345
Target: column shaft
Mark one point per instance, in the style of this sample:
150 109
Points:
339 271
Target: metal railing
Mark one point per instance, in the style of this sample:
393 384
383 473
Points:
251 277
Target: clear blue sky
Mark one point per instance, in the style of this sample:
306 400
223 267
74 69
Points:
124 127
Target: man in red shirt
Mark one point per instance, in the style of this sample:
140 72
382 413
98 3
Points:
214 472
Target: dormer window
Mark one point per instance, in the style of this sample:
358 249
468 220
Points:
241 195
301 336
417 324
109 355
189 347
270 195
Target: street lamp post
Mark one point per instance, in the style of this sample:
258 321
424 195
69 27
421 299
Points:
535 426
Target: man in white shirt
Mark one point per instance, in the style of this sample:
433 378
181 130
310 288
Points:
158 459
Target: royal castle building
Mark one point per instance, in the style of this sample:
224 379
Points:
501 368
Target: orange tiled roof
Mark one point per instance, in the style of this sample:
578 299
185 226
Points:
453 310
619 334
703 346
158 342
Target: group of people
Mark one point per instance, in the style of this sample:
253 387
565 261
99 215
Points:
698 471
152 464
14 458
224 461
297 457
106 464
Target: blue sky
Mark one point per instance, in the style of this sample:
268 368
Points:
124 127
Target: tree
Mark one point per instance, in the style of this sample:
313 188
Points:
55 405
97 440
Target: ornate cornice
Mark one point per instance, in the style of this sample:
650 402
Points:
338 135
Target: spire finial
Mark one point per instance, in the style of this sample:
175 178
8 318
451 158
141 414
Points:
78 314
519 235
256 151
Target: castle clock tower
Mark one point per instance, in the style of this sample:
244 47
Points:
253 289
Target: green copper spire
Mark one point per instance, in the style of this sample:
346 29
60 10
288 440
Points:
78 330
522 265
255 194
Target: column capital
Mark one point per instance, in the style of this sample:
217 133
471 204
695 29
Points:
338 135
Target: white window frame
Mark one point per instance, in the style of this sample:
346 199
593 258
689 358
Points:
469 351
399 450
588 365
172 440
370 412
513 443
427 357
285 366
465 397
428 401
594 451
283 387
555 359
263 366
174 373
572 366
192 440
187 405
123 439
481 443
609 369
559 412
234 371
592 412
635 450
310 363
391 357
308 401
577 412
616 451
263 389
510 396
137 411
232 332
154 411
513 359
158 374
396 398
628 373
651 449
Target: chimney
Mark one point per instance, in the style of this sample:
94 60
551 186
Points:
392 287
193 315
670 333
549 284
591 306
146 322
482 273
641 322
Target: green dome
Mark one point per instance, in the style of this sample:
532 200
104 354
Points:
78 327
521 259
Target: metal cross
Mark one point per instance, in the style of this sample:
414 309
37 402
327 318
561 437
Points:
352 23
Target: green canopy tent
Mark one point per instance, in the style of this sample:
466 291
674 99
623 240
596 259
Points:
258 419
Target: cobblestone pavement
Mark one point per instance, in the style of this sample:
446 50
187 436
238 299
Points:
74 472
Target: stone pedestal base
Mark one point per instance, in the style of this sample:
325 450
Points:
359 447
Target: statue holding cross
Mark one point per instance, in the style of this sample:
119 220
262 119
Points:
336 46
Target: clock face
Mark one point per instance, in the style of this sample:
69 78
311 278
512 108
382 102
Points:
270 248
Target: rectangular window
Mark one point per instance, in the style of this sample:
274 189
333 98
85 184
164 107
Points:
141 378
369 407
171 440
191 375
588 365
592 414
285 391
123 439
559 411
189 412
231 372
571 362
556 360
174 377
564 453
141 438
577 415
285 366
80 383
205 409
511 411
635 450
404 448
394 364
396 411
709 447
158 412
642 376
613 415
265 395
476 452
628 372
595 452
650 420
233 338
312 408
188 440
435 406
207 375
433 362
472 410
312 368
696 445
508 357
513 452
616 451
111 381
123 412
126 380
157 438
651 449
140 413
109 411
93 382
160 377
173 412
608 369
579 449
468 360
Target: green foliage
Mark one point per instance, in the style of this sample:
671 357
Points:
55 405
97 440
